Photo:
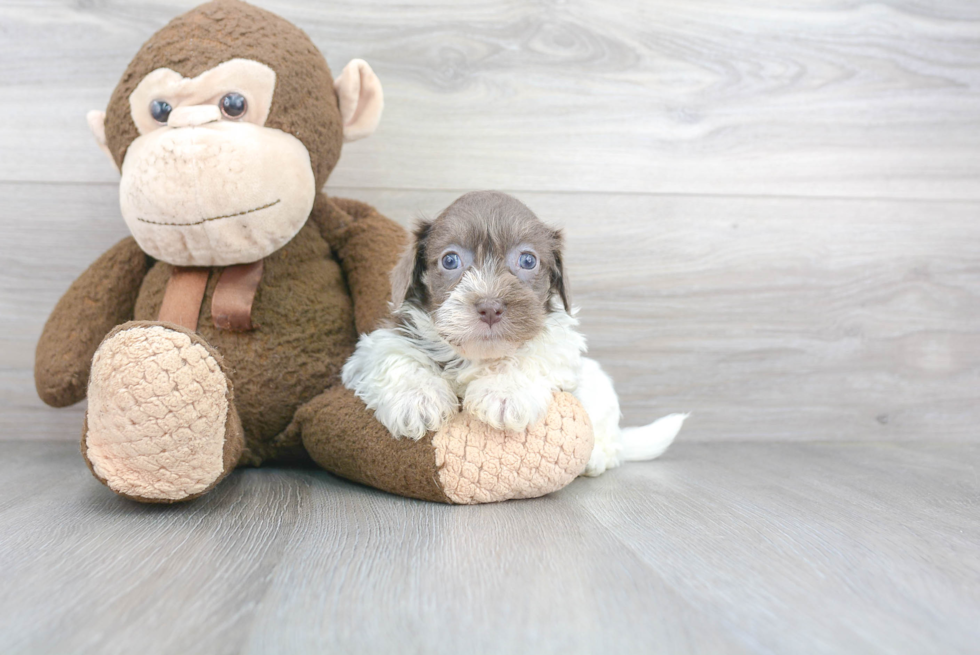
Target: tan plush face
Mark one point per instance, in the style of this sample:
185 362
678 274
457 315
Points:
207 183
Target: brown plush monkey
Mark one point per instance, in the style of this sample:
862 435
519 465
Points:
214 336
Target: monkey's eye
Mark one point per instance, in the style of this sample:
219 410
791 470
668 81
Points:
160 111
450 261
527 261
233 105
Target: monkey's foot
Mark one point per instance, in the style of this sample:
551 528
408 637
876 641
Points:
161 423
465 462
481 464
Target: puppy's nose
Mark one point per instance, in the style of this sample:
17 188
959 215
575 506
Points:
490 311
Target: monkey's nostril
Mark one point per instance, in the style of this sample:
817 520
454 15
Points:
490 311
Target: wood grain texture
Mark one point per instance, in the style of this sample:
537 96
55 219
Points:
716 548
828 98
768 318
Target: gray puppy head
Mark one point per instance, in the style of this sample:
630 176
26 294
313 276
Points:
486 270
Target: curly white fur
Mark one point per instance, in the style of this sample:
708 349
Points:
414 379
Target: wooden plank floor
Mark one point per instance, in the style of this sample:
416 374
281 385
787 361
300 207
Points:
716 548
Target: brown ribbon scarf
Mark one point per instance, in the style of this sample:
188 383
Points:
231 305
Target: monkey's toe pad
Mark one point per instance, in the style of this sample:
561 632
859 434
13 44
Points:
158 407
480 464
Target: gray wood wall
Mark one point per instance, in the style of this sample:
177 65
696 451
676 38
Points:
771 210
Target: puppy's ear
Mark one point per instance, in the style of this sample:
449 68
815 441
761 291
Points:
407 284
558 286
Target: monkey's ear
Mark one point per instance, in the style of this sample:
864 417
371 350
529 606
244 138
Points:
558 285
361 99
96 123
407 281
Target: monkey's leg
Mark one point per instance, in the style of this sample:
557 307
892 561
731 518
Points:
161 425
465 462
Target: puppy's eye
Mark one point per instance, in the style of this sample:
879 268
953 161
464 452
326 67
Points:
450 261
527 261
160 111
233 105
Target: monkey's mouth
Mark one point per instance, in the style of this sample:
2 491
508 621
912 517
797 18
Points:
213 218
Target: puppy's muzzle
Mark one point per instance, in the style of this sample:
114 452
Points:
490 310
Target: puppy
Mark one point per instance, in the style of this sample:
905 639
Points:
481 321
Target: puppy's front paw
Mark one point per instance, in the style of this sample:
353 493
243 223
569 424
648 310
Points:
507 408
422 406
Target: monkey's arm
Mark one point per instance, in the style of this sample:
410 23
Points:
368 246
99 300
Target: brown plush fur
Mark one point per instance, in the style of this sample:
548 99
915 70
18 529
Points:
305 330
303 314
341 435
304 103
363 239
100 299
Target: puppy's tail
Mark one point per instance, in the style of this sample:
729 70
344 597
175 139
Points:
650 441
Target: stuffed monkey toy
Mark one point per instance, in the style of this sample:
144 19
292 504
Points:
213 337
